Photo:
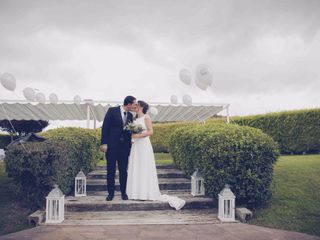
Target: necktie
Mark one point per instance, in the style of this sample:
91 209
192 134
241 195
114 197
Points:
124 117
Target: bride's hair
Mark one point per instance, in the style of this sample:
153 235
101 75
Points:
144 106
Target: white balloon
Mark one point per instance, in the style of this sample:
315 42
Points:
187 100
40 97
154 111
29 94
174 99
8 81
204 74
185 76
77 99
201 85
53 98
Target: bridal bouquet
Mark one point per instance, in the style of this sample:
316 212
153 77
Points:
133 128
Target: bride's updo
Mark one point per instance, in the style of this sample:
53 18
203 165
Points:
144 106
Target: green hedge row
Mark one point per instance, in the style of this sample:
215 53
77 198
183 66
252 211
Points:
35 167
161 135
5 139
295 131
163 131
242 157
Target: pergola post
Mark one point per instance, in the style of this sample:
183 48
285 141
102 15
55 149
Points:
88 102
227 110
88 115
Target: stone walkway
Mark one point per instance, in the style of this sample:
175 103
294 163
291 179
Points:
233 231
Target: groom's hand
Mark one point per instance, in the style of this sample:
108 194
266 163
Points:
104 148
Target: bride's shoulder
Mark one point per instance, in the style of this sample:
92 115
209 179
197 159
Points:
146 116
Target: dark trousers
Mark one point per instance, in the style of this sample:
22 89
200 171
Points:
120 156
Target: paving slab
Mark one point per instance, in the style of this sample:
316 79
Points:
234 231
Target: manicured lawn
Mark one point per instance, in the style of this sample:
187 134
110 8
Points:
161 158
295 204
13 217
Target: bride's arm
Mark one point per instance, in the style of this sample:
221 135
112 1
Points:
149 131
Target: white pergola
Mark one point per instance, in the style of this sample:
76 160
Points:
95 110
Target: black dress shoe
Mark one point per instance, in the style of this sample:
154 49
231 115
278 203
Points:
124 196
109 198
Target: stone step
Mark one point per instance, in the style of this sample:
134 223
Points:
169 192
184 216
159 166
162 173
164 184
98 203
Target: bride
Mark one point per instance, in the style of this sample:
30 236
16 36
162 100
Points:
142 183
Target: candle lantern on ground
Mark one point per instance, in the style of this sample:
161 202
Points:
80 185
226 211
197 184
55 206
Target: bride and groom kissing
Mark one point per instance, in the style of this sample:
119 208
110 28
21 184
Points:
133 153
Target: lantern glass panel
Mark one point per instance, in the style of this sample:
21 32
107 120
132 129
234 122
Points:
199 187
227 208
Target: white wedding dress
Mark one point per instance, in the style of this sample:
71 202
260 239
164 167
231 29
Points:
142 182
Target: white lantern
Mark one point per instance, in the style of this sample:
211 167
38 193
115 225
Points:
55 206
80 185
226 211
197 184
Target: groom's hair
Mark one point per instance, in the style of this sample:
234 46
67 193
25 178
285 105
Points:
128 100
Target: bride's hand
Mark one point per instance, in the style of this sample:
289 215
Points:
135 135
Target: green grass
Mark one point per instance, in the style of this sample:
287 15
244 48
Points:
295 203
161 158
13 215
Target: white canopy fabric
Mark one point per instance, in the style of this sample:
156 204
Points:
97 110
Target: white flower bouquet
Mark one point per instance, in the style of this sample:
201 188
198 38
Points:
133 128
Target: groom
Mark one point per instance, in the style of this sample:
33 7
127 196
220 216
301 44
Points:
116 144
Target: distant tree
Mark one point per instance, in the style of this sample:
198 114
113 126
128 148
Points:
22 127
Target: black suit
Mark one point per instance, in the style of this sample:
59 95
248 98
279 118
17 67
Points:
119 145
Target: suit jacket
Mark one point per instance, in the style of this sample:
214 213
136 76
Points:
112 132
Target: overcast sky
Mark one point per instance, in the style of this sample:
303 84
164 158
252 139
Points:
265 55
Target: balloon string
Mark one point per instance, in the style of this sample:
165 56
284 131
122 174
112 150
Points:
7 115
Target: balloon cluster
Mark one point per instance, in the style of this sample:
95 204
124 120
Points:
8 81
203 80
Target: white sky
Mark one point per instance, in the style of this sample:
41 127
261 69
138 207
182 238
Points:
265 54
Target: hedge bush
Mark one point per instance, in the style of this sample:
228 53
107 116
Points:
163 131
295 131
5 139
242 157
161 135
35 167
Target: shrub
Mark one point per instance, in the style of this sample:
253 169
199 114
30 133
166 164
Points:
242 157
36 166
161 135
295 131
5 139
163 131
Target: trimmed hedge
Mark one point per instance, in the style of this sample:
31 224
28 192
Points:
36 166
163 131
295 131
161 135
5 139
242 157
